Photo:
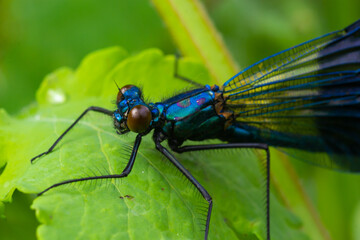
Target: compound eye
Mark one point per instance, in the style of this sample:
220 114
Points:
139 119
119 97
124 89
121 92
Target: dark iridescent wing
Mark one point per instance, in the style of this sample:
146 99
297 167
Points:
306 99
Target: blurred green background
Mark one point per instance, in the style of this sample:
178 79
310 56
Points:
38 36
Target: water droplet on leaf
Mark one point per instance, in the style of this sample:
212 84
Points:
55 96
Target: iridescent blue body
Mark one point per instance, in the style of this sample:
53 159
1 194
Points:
191 116
305 99
187 116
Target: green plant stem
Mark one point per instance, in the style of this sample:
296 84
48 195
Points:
295 197
196 36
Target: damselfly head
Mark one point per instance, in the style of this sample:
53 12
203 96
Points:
132 113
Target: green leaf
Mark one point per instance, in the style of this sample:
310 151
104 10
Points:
39 36
155 201
18 215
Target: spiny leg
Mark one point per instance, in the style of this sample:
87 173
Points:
188 175
92 108
262 146
176 75
124 173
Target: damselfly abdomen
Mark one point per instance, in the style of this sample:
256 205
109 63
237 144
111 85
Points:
304 99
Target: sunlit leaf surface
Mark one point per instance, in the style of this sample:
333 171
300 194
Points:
155 201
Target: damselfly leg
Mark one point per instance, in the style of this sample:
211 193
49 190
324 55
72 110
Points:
193 180
124 173
92 108
176 74
191 148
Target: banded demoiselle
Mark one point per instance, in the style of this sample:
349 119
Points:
305 99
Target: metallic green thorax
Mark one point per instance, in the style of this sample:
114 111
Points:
192 115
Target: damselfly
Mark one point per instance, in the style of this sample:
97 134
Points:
303 99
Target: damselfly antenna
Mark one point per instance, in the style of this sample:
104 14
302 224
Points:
116 85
